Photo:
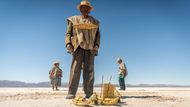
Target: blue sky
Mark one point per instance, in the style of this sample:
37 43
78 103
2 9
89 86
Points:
152 36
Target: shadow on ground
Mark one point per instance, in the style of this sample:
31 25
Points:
140 97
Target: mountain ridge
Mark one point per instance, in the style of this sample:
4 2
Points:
7 83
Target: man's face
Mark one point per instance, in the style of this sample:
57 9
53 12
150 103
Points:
119 62
85 10
57 64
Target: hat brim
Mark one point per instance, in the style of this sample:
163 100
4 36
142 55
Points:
91 8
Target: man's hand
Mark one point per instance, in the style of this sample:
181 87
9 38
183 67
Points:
96 48
70 48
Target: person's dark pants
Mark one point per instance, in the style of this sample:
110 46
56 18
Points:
54 82
122 83
82 60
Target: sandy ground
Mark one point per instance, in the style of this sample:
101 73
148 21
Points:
132 97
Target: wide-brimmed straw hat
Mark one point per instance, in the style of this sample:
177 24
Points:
119 59
85 3
56 62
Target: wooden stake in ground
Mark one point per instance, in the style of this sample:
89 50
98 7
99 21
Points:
101 86
109 85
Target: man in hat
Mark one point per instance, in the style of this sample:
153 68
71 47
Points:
82 41
122 73
55 75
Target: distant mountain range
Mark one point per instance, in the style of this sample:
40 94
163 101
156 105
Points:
6 83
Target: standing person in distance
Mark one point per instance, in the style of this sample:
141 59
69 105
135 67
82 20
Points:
55 76
122 73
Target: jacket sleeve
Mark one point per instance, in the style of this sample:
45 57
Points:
126 72
68 33
97 40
